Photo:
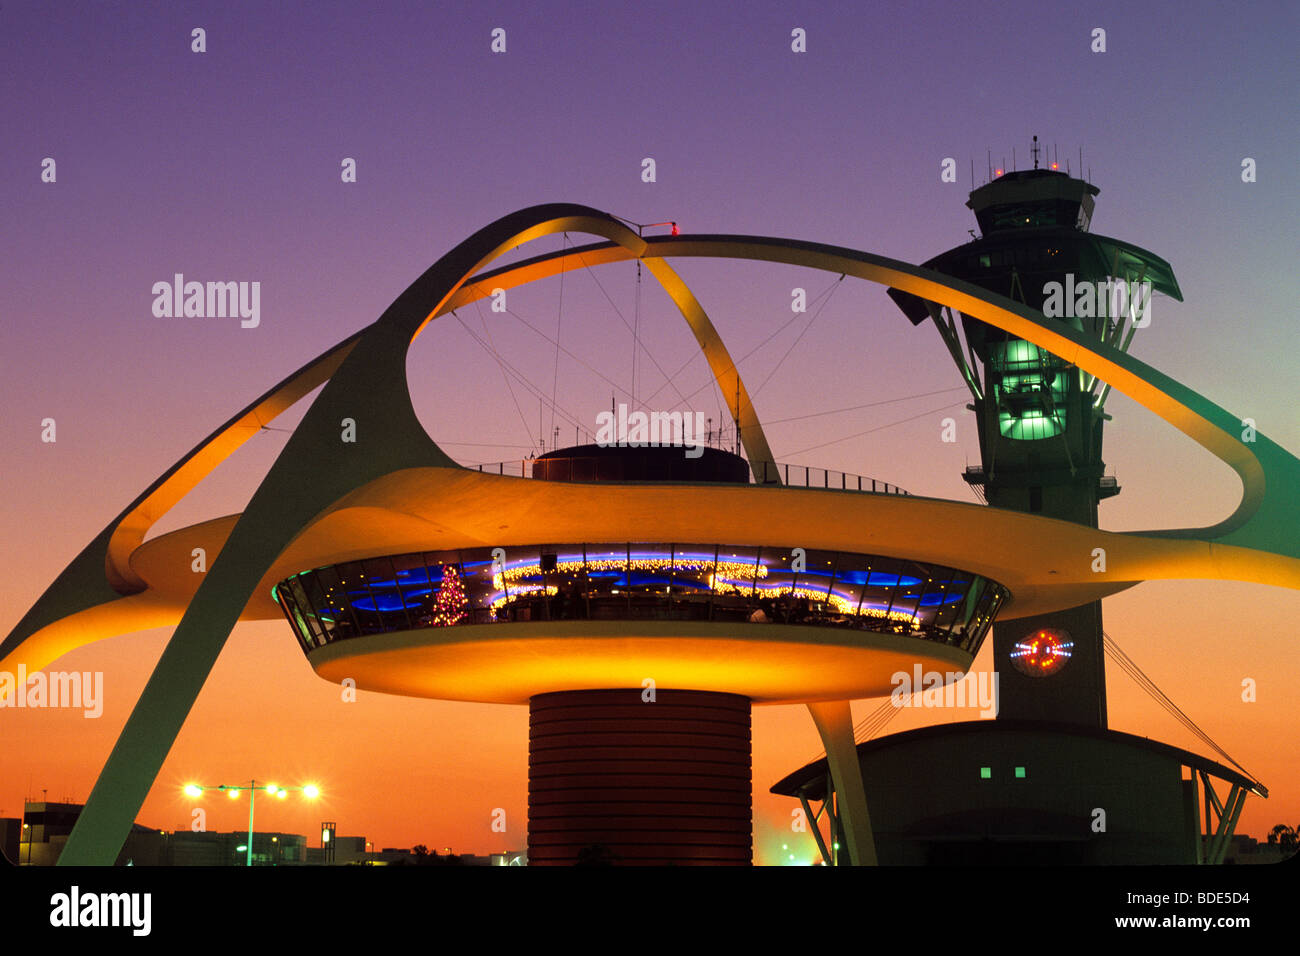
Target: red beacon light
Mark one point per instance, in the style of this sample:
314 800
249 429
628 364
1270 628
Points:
651 225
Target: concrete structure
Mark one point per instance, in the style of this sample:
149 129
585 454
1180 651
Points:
389 492
40 837
1041 421
46 827
1045 782
11 829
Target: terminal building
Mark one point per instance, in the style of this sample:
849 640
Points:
640 600
45 827
654 766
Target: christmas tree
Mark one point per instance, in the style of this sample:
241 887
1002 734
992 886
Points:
451 604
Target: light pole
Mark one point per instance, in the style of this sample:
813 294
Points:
310 791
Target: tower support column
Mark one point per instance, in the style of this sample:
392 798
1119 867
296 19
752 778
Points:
633 777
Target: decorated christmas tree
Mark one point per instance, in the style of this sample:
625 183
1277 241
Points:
451 603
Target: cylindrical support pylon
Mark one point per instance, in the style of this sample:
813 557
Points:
640 778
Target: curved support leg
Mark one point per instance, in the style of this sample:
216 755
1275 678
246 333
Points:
710 342
316 468
724 371
361 427
834 722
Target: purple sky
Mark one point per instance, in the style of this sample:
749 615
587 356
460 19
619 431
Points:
225 166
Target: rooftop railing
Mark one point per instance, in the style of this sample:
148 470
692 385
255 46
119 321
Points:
603 469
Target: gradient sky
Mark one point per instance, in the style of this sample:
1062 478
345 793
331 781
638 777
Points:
225 166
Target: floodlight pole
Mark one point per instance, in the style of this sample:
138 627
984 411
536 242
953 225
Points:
310 791
252 796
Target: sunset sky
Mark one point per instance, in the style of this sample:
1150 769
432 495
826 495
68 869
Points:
225 165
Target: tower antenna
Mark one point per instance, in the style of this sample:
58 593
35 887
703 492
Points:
1035 152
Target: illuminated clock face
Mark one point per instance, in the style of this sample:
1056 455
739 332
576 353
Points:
1043 652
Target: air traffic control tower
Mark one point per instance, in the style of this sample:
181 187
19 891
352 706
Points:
1047 782
1040 419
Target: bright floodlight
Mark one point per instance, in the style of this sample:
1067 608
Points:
193 790
271 788
282 794
311 791
232 793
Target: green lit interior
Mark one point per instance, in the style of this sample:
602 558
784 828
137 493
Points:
1029 386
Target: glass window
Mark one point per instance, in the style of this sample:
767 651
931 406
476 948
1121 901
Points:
693 566
639 580
426 583
356 594
931 590
907 594
319 631
606 570
983 617
464 591
776 579
953 586
737 568
649 576
332 603
411 576
818 578
878 594
569 579
846 593
522 583
291 614
733 583
690 572
324 595
999 597
650 568
966 608
606 581
385 595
